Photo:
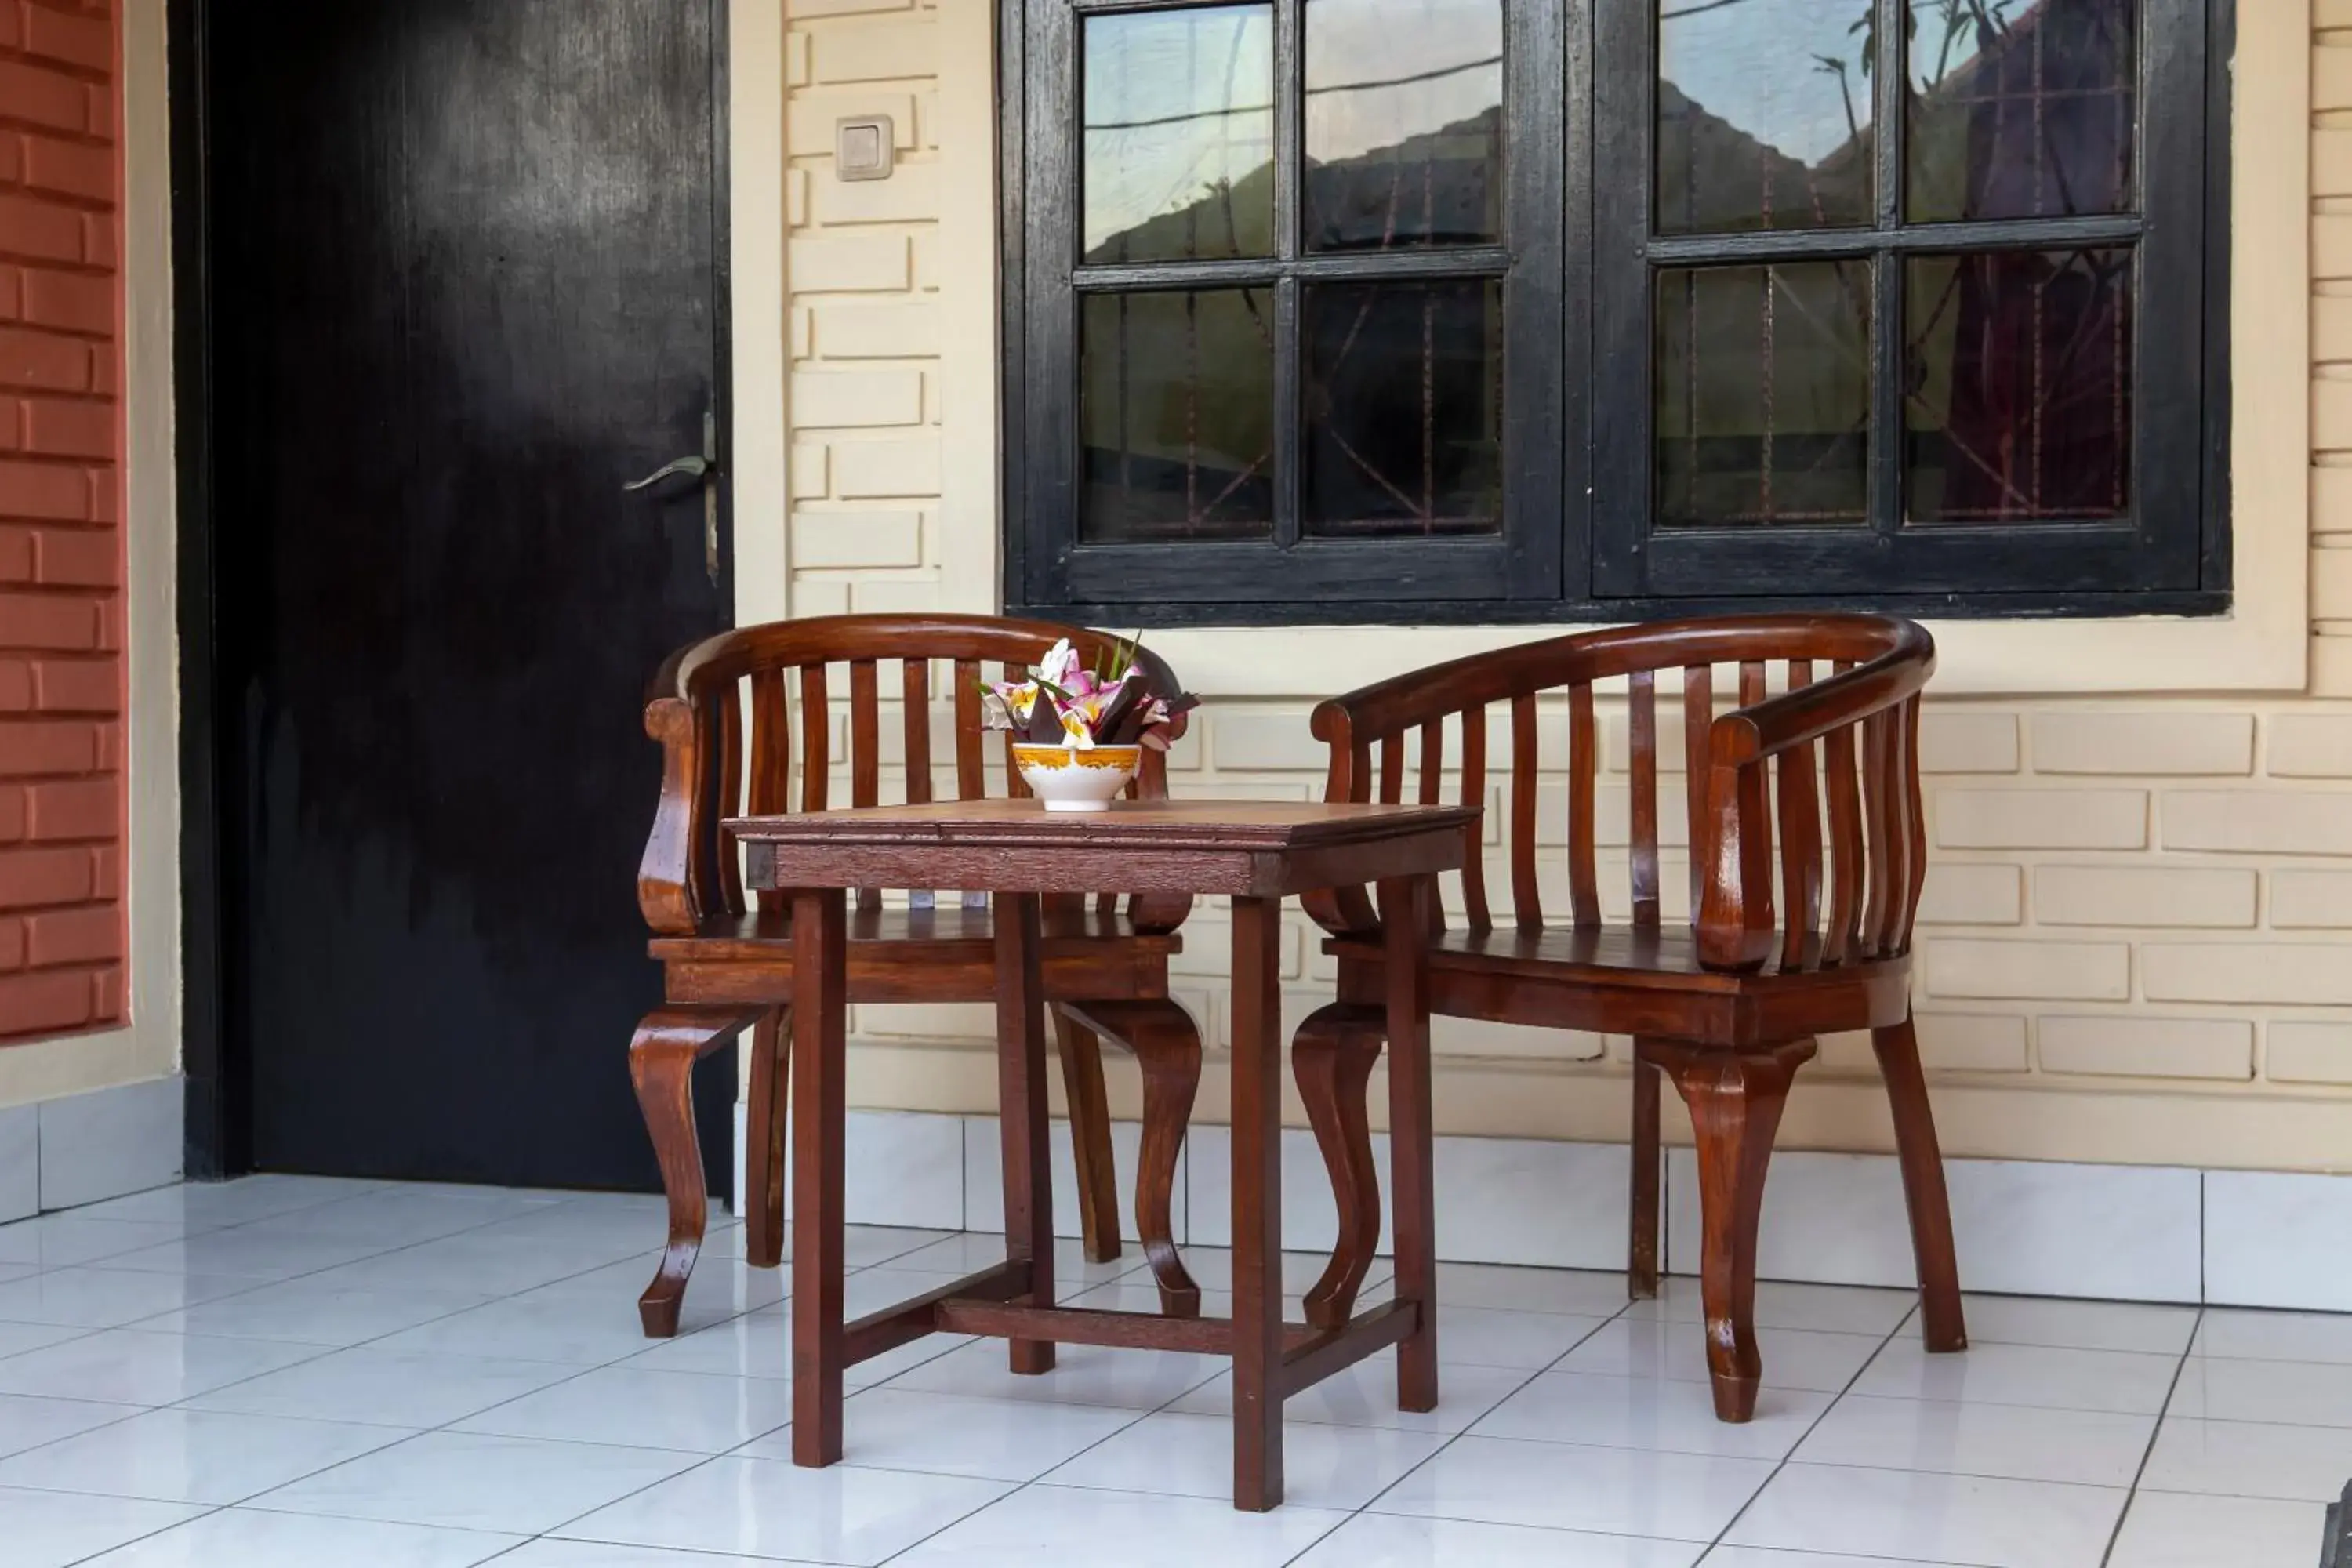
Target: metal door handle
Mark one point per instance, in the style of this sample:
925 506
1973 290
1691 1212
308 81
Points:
702 466
695 466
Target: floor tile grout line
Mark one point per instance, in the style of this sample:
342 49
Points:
883 1263
848 1396
410 1433
1044 1478
2155 1431
1453 1438
1140 1417
150 1535
1835 1400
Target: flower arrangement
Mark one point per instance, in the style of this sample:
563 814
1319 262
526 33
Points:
1065 704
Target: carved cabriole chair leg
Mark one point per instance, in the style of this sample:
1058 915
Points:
763 1196
1735 1098
1941 1317
1082 1086
669 1042
1167 1046
1641 1249
1333 1059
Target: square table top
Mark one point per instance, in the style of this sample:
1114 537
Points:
1256 848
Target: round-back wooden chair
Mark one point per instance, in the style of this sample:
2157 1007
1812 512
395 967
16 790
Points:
1728 1002
726 711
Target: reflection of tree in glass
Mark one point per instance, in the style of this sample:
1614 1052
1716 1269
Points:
2020 108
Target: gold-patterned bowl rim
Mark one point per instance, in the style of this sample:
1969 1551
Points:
1124 759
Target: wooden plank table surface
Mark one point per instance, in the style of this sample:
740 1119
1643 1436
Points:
1254 852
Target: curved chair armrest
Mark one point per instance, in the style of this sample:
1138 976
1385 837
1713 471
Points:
1737 928
668 891
1810 712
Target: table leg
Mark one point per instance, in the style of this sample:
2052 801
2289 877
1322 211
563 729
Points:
1023 1114
1405 906
820 1119
1257 1204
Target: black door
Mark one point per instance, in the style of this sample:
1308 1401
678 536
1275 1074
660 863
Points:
462 266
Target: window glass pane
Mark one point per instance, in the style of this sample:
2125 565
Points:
2019 371
1176 416
1404 409
1179 135
1763 116
2020 108
1404 111
1762 380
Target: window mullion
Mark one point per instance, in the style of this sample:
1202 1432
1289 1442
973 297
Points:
1887 412
1890 76
1289 164
1288 410
1889 73
1289 64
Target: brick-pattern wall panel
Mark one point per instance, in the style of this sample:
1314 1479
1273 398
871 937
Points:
2331 350
2135 896
61 774
862 269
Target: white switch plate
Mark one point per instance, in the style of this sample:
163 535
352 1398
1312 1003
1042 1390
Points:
862 147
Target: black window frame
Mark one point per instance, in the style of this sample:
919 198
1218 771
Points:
1576 542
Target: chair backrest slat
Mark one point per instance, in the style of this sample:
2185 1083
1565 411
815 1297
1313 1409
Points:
730 799
1642 740
1699 715
1894 746
1880 827
816 738
915 689
865 749
865 734
971 773
1754 687
1392 770
1473 792
1911 712
1432 759
1841 935
1583 768
1527 903
1801 837
771 757
915 719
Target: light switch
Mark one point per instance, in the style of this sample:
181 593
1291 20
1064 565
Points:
861 148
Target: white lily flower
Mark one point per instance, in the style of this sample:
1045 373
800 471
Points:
1060 664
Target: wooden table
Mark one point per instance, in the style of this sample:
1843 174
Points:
1257 854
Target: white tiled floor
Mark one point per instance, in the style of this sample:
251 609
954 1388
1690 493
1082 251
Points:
290 1371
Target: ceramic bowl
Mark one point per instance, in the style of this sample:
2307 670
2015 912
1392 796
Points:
1065 778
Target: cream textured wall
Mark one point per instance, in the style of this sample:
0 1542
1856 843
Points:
2137 943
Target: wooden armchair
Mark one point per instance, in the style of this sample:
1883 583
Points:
1730 1006
728 962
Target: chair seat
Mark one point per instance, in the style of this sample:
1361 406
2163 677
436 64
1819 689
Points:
949 934
1615 979
1615 954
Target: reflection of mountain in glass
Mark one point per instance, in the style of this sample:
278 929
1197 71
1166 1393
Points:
1716 178
1441 188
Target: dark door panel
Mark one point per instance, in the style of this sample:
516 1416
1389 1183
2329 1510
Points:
462 260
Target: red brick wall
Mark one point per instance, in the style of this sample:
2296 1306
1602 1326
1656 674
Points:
61 611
